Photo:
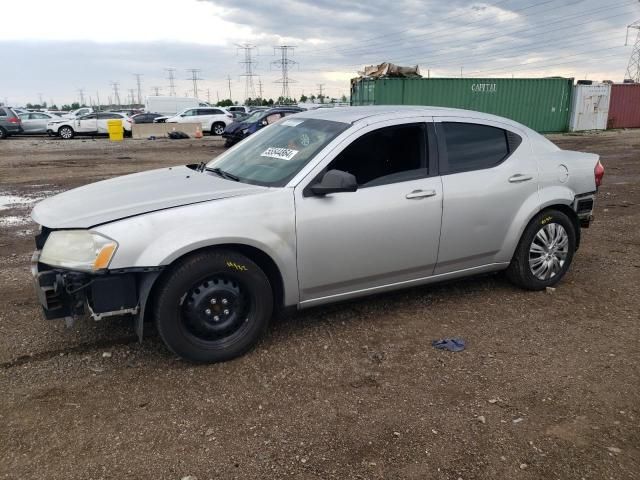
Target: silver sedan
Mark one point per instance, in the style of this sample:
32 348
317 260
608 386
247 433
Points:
319 207
36 122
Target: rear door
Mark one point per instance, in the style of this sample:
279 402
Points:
488 176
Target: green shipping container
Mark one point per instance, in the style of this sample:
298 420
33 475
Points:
540 103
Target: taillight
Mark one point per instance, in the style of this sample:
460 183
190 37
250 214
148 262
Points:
598 173
15 120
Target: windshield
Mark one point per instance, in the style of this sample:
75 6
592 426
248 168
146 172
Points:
254 117
275 154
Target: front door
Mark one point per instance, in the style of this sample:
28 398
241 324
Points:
386 232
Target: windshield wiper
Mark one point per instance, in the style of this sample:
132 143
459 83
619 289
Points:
222 173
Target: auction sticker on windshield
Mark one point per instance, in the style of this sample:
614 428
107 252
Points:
291 123
278 152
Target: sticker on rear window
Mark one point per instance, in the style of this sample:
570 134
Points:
291 123
281 153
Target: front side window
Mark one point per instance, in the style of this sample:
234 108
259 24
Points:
473 146
189 113
273 118
388 155
274 155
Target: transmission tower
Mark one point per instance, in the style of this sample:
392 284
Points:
80 94
229 82
116 93
139 84
248 62
320 92
132 96
633 67
284 63
260 89
172 81
208 96
194 78
156 90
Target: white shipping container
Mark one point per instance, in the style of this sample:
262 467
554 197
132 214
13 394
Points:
589 107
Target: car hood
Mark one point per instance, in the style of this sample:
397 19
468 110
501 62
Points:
135 194
236 126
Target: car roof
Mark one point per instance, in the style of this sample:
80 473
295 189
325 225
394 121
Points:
382 112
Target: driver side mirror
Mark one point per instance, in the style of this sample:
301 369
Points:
335 181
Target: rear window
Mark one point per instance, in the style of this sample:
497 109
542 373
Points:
472 146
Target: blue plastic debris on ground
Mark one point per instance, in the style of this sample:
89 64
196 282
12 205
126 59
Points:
452 344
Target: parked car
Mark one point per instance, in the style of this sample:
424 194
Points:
239 109
10 123
36 122
91 124
79 112
325 206
212 119
254 122
145 117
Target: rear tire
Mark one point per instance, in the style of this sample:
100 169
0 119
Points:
217 128
66 133
3 133
213 306
545 251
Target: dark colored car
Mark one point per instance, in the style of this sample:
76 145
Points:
145 117
10 123
254 122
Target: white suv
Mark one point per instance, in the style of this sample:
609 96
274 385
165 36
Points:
92 124
212 119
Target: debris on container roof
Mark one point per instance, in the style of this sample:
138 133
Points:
386 69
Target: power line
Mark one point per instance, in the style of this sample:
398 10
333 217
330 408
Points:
633 67
195 76
284 63
116 93
172 81
248 62
446 31
139 84
457 59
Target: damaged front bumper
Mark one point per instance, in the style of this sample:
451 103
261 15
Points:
72 294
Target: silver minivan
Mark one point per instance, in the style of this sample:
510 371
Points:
322 206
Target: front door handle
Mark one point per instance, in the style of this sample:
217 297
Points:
421 194
520 177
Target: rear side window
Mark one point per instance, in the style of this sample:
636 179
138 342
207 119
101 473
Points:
3 112
472 146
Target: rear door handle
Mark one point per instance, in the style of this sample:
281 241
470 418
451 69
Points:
421 194
520 177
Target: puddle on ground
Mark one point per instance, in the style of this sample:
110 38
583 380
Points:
14 220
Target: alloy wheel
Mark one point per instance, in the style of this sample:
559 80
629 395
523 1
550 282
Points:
548 251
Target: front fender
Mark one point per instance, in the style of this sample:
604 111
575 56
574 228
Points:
265 222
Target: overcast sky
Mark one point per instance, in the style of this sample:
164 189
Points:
55 48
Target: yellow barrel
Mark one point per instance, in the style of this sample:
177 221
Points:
115 130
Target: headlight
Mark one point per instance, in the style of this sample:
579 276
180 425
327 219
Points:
78 250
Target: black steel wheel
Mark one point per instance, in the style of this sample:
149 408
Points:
213 306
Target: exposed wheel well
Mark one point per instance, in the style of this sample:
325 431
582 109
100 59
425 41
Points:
263 260
569 212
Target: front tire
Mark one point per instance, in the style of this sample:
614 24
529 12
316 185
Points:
545 251
213 306
66 133
217 128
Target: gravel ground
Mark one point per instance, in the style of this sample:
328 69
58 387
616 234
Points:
548 387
